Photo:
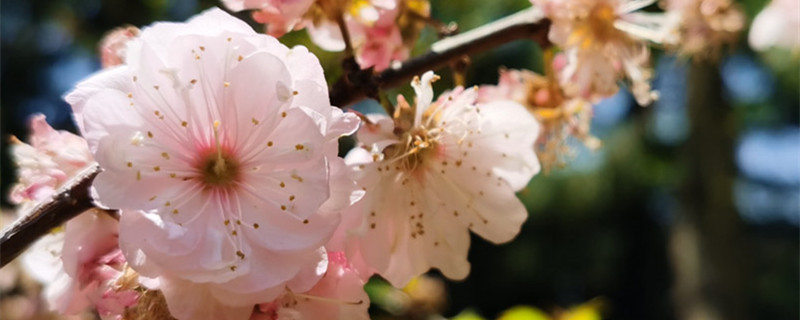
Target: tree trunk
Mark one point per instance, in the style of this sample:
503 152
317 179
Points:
708 253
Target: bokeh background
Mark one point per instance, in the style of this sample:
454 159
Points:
692 204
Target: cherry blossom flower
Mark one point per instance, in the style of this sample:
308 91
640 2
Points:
113 45
338 295
561 116
606 41
706 25
280 16
82 267
770 26
52 158
219 144
374 33
431 174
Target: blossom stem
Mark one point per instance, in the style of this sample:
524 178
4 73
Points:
554 87
526 24
442 30
459 67
348 44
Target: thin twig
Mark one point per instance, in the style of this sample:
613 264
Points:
526 24
348 42
442 29
71 200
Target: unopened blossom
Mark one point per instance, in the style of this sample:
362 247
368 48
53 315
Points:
338 295
706 26
381 31
560 115
605 41
776 26
220 146
433 172
113 45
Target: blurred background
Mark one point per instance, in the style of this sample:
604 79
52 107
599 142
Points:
690 209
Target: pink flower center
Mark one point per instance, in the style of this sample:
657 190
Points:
601 21
418 146
219 169
596 29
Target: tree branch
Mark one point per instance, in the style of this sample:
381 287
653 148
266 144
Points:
74 197
71 200
526 24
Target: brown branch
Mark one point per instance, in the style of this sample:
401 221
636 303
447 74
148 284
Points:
526 24
348 42
75 197
71 200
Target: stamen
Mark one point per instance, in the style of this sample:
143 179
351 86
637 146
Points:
219 166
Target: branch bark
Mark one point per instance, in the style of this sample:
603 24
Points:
526 24
75 198
71 200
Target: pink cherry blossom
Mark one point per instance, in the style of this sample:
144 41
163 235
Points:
706 26
80 263
771 25
376 27
280 16
375 34
606 41
560 115
381 43
52 158
113 45
431 174
338 295
82 267
219 144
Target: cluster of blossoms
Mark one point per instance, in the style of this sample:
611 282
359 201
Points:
602 43
605 41
218 148
219 155
379 31
708 25
81 262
